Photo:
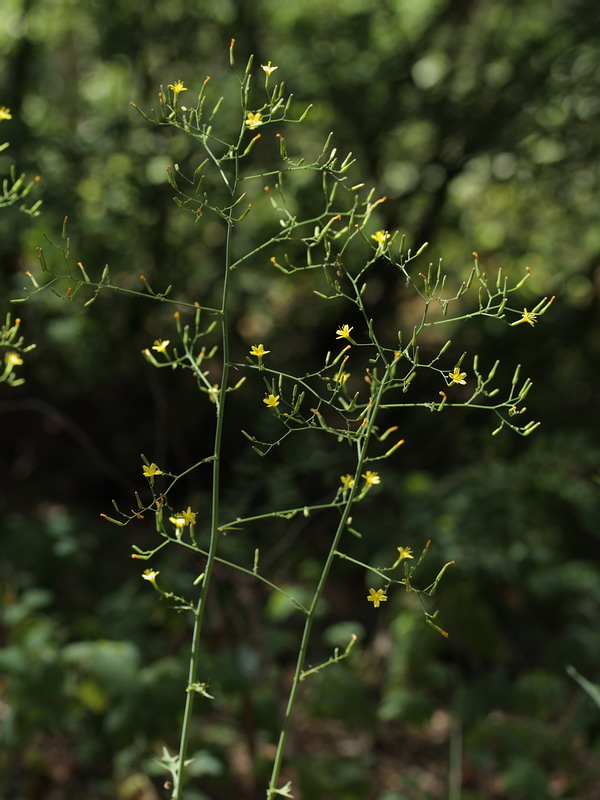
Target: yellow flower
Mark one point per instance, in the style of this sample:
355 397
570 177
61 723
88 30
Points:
528 316
189 516
371 478
341 378
343 332
258 350
405 552
376 597
272 400
213 393
347 481
5 113
380 237
177 87
457 376
150 575
178 521
253 120
151 471
13 358
160 345
268 68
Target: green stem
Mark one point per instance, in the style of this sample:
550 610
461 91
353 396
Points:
362 446
215 510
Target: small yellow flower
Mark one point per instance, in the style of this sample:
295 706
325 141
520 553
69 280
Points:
272 400
177 87
5 113
380 237
457 376
258 350
151 471
189 516
343 332
405 552
213 393
347 481
371 478
376 597
150 575
341 378
253 120
268 68
178 521
13 359
160 345
528 316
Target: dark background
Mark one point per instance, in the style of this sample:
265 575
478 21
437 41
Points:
480 123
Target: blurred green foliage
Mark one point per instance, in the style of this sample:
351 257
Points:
480 122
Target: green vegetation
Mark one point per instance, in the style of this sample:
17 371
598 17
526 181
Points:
479 125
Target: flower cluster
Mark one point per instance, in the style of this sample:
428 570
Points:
151 471
528 316
456 376
380 237
376 597
258 350
160 345
253 120
343 332
371 478
150 575
177 87
13 359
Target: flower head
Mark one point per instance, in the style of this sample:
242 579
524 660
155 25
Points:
151 471
347 481
5 113
13 359
253 120
456 376
177 87
380 237
341 378
528 316
189 516
405 552
258 350
183 518
268 68
343 332
272 400
376 597
150 575
371 478
160 345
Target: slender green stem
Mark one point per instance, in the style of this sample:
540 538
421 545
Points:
286 513
362 446
296 603
215 510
